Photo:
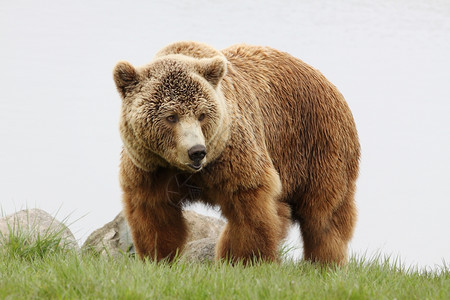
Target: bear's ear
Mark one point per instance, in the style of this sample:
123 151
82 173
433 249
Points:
212 69
125 76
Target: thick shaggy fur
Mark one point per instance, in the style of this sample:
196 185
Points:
281 146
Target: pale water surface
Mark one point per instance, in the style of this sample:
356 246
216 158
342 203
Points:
59 109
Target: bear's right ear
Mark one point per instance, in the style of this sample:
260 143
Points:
125 77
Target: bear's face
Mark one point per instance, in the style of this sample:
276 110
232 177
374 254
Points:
171 108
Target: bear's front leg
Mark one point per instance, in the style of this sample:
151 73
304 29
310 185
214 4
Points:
257 223
158 231
157 226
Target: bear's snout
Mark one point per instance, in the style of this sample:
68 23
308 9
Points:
196 154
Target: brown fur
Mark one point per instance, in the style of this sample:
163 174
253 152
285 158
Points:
281 145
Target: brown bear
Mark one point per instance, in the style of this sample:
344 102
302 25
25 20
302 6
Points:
257 132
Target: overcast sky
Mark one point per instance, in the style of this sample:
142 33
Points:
59 109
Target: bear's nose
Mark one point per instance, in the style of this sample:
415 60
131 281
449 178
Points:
197 153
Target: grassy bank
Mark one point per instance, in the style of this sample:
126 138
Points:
43 269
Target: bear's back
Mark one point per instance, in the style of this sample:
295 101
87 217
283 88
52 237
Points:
305 118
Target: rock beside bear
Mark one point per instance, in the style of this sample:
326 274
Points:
35 224
114 238
252 130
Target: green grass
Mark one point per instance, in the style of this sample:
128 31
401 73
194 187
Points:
45 269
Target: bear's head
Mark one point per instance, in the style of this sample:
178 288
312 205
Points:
173 112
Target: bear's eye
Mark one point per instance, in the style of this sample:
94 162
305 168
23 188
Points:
201 117
172 119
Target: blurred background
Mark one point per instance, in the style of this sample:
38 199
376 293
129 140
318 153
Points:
59 110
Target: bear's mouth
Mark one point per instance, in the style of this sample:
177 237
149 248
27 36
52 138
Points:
196 167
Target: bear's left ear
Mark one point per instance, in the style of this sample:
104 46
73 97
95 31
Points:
125 76
212 69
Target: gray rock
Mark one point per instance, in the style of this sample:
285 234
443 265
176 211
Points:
34 223
115 239
201 226
202 250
